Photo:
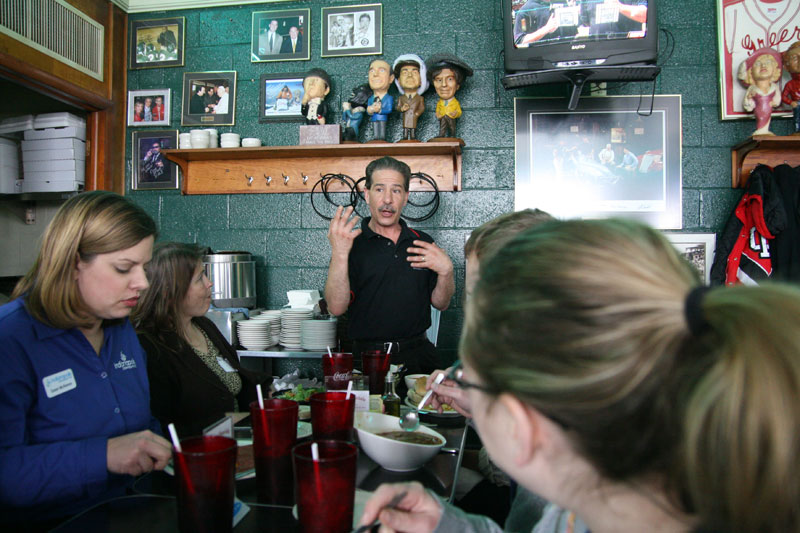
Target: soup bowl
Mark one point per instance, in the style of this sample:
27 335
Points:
393 454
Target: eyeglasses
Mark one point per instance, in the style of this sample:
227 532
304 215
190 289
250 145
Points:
456 374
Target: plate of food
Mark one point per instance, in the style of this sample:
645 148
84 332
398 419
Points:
415 395
299 393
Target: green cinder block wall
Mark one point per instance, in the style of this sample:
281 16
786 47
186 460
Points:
289 240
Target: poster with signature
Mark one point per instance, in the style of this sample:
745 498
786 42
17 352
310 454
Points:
744 26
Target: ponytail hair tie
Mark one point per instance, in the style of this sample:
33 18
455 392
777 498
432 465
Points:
693 310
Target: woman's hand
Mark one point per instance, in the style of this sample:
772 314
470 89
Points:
417 512
137 453
448 392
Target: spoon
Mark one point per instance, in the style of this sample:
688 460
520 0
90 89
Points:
410 420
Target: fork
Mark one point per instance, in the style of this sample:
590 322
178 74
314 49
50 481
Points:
392 503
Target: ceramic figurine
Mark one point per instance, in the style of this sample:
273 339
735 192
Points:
791 91
759 73
353 111
411 80
381 103
316 86
447 73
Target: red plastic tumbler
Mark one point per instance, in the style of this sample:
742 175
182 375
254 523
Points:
337 369
332 416
274 436
376 365
325 489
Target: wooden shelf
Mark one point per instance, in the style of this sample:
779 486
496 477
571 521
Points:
770 150
229 170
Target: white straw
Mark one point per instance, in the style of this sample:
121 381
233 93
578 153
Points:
174 435
349 388
315 451
260 396
329 352
390 348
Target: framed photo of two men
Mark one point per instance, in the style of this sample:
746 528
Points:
156 43
280 35
352 30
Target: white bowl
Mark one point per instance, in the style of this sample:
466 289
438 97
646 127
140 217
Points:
251 141
410 380
389 453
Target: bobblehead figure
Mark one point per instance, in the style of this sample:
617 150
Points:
791 91
316 86
447 73
759 73
411 80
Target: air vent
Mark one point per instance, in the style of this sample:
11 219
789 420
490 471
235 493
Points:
57 29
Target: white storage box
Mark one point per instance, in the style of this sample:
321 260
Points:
53 144
9 153
77 132
46 155
8 179
51 165
55 176
58 120
15 124
51 186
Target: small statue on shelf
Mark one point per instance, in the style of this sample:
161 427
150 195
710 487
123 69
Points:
316 86
353 111
791 91
381 103
759 73
411 80
446 73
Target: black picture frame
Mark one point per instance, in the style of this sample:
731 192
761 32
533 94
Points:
560 168
151 171
284 48
352 39
197 113
273 107
156 43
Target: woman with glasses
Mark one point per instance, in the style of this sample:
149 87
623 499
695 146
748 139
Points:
602 376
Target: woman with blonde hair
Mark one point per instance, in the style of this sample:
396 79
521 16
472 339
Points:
605 378
195 374
74 396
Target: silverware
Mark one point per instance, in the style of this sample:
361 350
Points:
391 505
410 420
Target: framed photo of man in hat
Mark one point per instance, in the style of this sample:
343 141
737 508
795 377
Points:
352 30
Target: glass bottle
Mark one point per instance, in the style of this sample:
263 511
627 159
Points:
390 399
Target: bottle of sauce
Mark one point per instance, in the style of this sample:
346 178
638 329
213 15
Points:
390 399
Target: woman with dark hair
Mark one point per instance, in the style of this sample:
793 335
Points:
74 397
604 377
195 375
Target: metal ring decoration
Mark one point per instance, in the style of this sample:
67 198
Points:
323 183
435 200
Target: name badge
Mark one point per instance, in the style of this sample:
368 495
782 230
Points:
59 383
226 366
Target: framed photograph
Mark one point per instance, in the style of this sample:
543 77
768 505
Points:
698 248
209 98
352 30
280 96
612 156
149 107
744 26
156 43
151 170
281 35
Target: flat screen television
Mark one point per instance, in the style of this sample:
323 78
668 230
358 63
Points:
578 34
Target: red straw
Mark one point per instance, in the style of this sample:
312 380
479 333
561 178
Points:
181 459
263 414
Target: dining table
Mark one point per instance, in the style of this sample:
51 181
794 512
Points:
152 507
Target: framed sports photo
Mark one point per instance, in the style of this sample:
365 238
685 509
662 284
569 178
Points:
156 43
281 35
698 249
612 156
151 170
209 98
352 30
149 107
280 97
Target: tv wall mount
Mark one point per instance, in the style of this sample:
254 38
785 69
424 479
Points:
578 76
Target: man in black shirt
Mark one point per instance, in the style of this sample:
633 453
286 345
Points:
387 274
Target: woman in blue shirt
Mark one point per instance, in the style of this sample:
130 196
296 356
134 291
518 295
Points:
74 395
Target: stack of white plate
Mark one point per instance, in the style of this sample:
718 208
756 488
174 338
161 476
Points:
318 334
255 334
291 320
213 138
229 140
199 138
274 325
251 141
184 140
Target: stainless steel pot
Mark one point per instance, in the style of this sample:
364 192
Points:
234 277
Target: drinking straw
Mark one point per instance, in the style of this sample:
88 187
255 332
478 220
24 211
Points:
315 458
174 435
263 414
349 388
181 459
329 352
389 351
260 396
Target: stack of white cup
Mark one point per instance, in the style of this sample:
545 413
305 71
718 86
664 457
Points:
229 140
251 141
199 138
184 141
213 138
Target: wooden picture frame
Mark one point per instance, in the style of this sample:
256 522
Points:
698 248
280 97
201 107
156 43
156 114
563 165
151 169
352 30
286 23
